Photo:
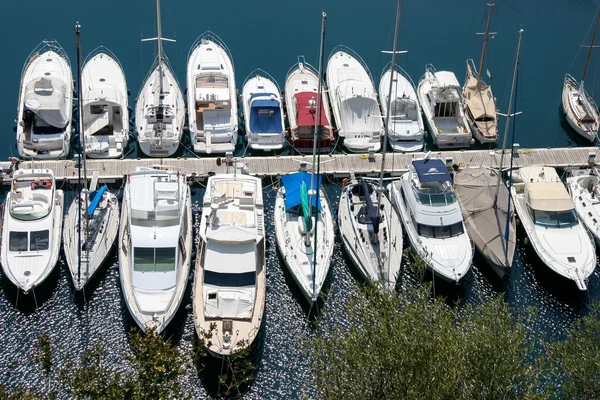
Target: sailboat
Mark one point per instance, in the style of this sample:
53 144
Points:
92 221
45 104
160 108
580 109
370 229
303 222
480 104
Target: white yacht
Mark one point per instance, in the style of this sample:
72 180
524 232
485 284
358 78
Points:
442 102
229 287
297 216
211 96
301 87
45 109
160 108
31 229
432 218
405 126
371 232
585 192
155 244
263 112
548 216
105 105
354 101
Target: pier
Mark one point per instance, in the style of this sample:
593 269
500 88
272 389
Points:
335 164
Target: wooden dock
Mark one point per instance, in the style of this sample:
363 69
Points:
336 164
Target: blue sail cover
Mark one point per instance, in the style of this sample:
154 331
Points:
96 200
265 116
292 184
431 170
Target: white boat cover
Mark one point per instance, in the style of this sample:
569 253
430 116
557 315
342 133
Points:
46 97
479 98
475 189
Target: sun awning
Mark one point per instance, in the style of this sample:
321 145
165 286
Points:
431 170
548 196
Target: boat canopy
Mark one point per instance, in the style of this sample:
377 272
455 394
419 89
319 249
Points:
265 116
480 100
96 200
431 170
548 196
47 98
307 103
293 184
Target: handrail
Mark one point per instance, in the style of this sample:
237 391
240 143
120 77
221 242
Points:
257 72
573 81
209 35
400 71
352 53
103 50
297 65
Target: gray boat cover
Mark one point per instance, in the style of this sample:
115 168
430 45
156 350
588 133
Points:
475 190
47 98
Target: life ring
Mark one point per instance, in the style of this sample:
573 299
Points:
345 181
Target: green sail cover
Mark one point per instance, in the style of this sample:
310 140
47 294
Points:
305 206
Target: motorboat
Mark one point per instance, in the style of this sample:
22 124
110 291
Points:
230 281
433 222
211 96
301 87
441 100
354 101
45 110
405 125
32 226
263 112
585 192
160 108
155 244
547 213
105 105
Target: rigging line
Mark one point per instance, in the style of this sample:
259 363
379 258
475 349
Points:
586 35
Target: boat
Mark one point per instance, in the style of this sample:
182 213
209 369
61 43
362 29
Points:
92 221
301 87
160 108
405 125
547 213
580 110
211 96
441 100
480 103
32 226
230 281
155 244
105 105
354 101
585 192
432 219
263 112
45 109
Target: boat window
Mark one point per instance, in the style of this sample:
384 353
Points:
165 259
436 194
40 127
150 259
230 280
17 241
39 240
554 219
440 232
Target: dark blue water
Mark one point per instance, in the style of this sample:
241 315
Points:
271 34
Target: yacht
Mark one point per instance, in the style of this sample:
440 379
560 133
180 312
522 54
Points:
585 192
405 125
354 101
370 231
155 244
263 112
301 88
297 216
432 218
160 108
211 96
105 105
548 215
230 282
32 225
440 96
45 104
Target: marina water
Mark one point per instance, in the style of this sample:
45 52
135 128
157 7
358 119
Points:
270 34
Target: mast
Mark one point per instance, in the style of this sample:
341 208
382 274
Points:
508 116
485 40
317 141
81 141
160 54
587 62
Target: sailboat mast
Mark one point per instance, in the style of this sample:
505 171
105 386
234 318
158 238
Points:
80 104
508 115
587 62
485 40
160 52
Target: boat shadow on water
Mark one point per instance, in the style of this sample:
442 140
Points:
29 303
573 138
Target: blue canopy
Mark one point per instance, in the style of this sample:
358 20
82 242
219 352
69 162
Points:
431 170
292 184
96 200
265 117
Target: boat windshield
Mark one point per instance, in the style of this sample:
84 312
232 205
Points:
435 194
554 219
38 240
151 259
229 279
440 232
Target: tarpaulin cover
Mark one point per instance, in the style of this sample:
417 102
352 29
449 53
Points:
292 184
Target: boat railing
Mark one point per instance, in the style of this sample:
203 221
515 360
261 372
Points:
471 66
428 68
398 69
165 61
573 82
306 65
101 49
346 49
209 35
262 73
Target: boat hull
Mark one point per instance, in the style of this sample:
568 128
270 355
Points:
587 130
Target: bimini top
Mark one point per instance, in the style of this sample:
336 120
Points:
548 196
431 170
265 114
307 104
293 192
